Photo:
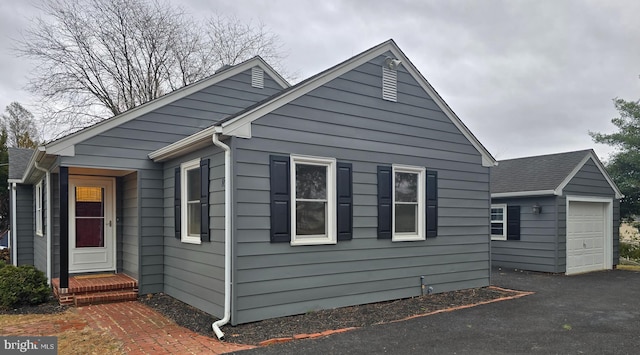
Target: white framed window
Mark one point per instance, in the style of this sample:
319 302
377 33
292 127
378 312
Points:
190 202
408 203
498 222
313 207
39 209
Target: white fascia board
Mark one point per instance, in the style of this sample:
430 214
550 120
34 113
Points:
525 193
62 145
388 46
591 155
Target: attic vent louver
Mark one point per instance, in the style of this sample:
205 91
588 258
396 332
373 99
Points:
389 84
257 77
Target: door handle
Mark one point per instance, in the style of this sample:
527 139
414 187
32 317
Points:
109 223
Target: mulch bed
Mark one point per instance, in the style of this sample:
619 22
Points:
319 321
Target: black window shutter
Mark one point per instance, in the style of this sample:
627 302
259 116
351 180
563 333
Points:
176 202
280 199
513 222
384 202
432 203
205 231
345 201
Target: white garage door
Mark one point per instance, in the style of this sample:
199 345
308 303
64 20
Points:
586 237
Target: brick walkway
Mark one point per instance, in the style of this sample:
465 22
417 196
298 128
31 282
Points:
145 331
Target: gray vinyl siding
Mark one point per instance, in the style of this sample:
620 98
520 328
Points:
589 181
194 273
537 249
25 224
127 146
130 226
40 241
347 119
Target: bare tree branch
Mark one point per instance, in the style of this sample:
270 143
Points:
98 58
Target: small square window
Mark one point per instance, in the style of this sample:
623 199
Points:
499 222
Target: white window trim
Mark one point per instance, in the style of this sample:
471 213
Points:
420 233
331 222
38 209
502 236
184 227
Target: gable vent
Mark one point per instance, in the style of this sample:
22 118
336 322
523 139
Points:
389 84
257 77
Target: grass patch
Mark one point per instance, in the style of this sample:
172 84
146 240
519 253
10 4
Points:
628 267
74 335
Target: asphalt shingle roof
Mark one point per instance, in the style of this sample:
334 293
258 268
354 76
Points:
542 172
18 160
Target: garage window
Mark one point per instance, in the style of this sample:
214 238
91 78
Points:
498 222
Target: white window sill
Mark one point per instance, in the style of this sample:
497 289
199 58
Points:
191 240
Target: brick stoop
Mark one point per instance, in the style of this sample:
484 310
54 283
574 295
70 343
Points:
96 289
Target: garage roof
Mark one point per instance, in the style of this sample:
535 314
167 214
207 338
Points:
542 174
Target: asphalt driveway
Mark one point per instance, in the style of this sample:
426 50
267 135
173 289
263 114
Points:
596 313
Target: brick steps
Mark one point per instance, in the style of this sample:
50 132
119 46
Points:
105 297
96 289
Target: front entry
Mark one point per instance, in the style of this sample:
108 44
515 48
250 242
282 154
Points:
92 244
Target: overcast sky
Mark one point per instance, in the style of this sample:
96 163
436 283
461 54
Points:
527 77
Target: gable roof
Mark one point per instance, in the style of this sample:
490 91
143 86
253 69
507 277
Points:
65 145
542 174
19 159
239 123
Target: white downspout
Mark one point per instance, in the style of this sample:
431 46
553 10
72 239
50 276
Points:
227 234
48 231
14 229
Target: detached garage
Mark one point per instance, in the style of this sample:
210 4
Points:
554 213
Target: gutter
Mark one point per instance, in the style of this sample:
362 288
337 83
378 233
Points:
215 137
48 231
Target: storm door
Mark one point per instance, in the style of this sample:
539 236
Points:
91 224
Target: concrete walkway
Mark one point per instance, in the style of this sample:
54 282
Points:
145 331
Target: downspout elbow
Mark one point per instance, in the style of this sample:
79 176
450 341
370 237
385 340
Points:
227 235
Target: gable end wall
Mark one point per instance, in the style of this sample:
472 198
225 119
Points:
347 119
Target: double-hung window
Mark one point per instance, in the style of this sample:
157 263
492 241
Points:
190 201
499 222
408 203
39 209
313 207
